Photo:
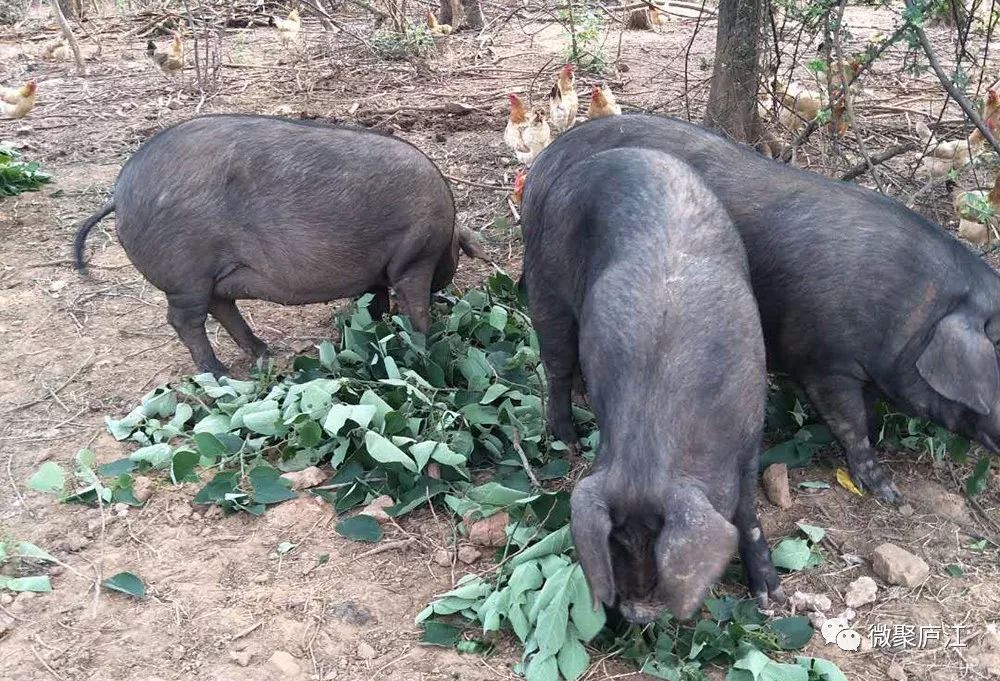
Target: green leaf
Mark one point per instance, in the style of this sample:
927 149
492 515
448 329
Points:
213 424
814 484
498 318
215 491
791 554
157 456
793 632
268 486
587 621
182 466
814 533
542 668
127 583
976 482
29 550
116 468
208 445
493 392
39 584
340 414
954 570
310 434
48 478
383 451
572 659
441 634
360 528
555 543
824 670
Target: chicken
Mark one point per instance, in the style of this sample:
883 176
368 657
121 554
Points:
171 61
526 135
519 179
943 157
17 102
838 117
656 17
975 210
798 104
288 29
435 27
602 103
563 100
56 50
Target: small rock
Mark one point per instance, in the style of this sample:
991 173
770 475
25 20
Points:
906 510
852 559
142 488
866 645
120 509
899 566
861 591
775 481
896 672
74 542
490 531
806 601
930 497
376 509
433 470
262 578
350 612
443 557
469 554
305 478
284 664
212 512
22 600
242 658
817 619
366 652
849 614
6 599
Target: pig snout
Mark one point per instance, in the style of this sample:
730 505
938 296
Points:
664 558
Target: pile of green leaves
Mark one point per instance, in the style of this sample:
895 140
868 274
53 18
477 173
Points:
17 176
455 419
415 40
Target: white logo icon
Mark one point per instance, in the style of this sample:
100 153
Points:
832 627
848 639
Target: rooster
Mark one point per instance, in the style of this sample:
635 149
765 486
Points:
288 29
436 28
656 17
171 61
563 101
602 103
20 100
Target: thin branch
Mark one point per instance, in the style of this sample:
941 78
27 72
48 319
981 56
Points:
891 152
68 34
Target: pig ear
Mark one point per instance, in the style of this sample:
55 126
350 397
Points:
692 551
960 363
590 523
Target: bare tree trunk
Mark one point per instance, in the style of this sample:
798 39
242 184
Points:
446 15
68 34
732 101
473 14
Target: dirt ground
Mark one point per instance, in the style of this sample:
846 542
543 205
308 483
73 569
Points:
74 349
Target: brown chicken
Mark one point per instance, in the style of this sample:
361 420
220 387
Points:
976 210
170 62
602 103
288 29
943 157
519 179
17 102
435 27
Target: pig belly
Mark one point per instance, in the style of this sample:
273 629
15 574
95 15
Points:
244 283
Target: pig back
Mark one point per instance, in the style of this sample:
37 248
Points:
669 337
303 199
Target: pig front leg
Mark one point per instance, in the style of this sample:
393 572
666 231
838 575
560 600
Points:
187 313
558 345
842 403
762 577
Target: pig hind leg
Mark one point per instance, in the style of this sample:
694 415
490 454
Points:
225 310
187 313
842 404
413 291
762 577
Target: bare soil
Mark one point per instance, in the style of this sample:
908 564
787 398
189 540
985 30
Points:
222 601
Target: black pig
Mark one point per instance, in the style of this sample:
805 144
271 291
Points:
224 208
860 298
635 273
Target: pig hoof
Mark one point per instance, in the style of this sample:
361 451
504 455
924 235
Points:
874 478
776 595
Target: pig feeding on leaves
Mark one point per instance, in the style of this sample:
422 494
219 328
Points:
635 273
224 208
860 298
